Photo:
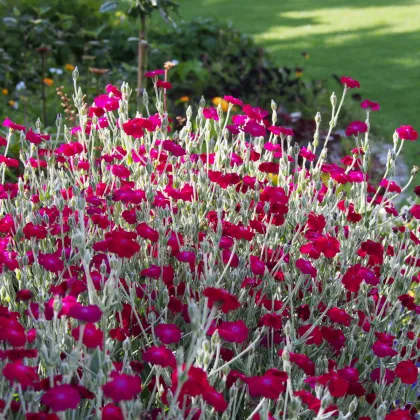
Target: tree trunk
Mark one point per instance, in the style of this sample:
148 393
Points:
43 95
141 50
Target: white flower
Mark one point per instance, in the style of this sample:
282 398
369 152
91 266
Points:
21 86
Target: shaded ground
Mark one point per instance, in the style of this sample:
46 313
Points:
376 42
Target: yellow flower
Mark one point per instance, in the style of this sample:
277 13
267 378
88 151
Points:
218 100
184 99
12 103
298 72
69 67
305 55
5 91
274 179
48 81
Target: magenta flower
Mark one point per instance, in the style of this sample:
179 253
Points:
356 127
306 267
253 128
406 132
160 356
61 398
349 82
233 100
233 332
415 211
154 73
210 114
10 124
122 387
168 333
372 106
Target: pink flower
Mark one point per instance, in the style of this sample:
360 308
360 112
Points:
154 73
270 385
160 356
112 412
168 333
120 171
215 399
10 124
305 153
233 332
185 256
92 337
164 85
306 267
146 232
221 298
51 262
107 102
349 83
253 128
373 106
174 148
383 350
407 371
24 375
122 387
61 398
257 266
233 100
35 138
355 128
136 127
406 132
285 131
90 313
34 231
210 114
415 211
339 316
399 414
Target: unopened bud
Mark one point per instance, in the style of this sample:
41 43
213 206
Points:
333 100
353 406
75 74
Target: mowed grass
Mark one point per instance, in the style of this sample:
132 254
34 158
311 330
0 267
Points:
374 41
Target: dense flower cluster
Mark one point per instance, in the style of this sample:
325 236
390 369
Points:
218 272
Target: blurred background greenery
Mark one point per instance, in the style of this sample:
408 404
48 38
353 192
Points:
292 52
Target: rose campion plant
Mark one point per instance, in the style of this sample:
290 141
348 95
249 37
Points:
221 271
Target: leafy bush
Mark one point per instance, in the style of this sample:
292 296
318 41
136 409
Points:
214 58
208 274
41 44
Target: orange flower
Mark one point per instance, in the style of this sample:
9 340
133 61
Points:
218 100
184 99
69 67
48 81
5 91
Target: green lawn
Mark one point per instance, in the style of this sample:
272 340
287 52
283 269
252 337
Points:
374 41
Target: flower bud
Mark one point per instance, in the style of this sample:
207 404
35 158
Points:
202 102
353 406
75 74
145 98
333 99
